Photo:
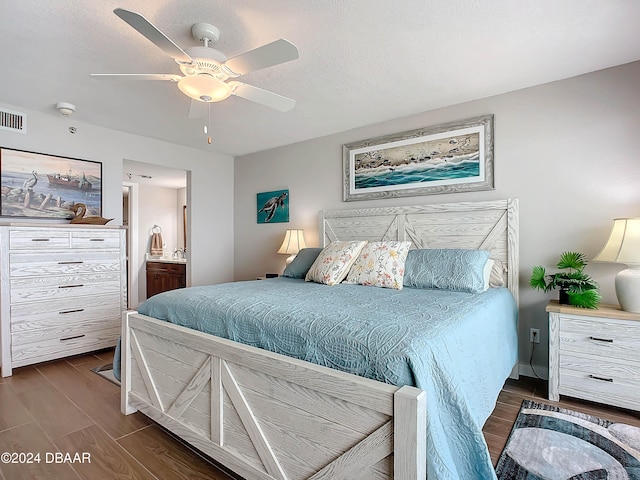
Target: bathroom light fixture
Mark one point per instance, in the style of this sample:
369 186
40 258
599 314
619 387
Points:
623 246
65 109
292 244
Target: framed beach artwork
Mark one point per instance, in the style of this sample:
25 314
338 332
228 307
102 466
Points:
273 207
36 185
447 158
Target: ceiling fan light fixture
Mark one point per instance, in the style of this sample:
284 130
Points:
204 88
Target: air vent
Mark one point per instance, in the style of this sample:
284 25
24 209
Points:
13 121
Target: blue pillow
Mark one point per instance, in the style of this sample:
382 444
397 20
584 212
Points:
446 269
302 263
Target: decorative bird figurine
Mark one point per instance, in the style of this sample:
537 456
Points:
80 209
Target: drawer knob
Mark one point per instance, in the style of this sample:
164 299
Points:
71 311
604 379
71 338
608 340
70 262
70 286
39 239
96 239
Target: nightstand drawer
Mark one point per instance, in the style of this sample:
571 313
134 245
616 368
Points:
607 389
597 368
605 338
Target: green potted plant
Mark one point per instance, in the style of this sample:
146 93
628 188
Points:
576 287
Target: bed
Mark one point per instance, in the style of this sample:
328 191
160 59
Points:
265 414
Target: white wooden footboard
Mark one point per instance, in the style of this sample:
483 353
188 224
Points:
265 415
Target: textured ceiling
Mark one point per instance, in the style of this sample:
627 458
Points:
361 61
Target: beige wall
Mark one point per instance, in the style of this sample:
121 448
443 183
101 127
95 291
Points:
568 150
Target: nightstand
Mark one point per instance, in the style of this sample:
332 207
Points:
594 354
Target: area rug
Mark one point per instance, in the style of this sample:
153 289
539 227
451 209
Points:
552 443
106 371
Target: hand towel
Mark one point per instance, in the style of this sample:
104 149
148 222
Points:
156 244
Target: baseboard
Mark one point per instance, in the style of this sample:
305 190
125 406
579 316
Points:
540 372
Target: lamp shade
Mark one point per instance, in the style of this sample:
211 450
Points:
623 246
293 242
204 88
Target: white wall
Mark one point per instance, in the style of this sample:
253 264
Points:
211 240
568 150
181 201
158 208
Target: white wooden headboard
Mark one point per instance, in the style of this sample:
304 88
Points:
491 226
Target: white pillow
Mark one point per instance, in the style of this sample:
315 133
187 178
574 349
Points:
380 264
333 262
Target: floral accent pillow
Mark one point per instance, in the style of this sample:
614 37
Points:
380 264
334 262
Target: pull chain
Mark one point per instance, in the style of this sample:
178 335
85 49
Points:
206 129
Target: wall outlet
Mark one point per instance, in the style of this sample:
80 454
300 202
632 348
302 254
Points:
534 335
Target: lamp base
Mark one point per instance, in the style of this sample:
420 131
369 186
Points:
290 259
628 289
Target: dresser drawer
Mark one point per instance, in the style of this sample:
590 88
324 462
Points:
62 345
62 333
605 338
95 239
62 308
37 264
112 311
32 289
37 239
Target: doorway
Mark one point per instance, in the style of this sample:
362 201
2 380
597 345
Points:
153 196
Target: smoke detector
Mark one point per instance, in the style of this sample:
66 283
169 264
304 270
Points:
65 109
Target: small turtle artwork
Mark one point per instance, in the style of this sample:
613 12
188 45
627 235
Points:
274 200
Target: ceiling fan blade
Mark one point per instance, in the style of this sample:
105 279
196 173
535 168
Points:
137 76
273 53
153 34
263 97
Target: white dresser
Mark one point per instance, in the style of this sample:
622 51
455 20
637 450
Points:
63 291
594 354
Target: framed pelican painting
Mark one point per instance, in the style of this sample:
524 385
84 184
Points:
36 185
273 207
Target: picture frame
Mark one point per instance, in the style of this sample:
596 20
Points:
273 207
448 158
38 185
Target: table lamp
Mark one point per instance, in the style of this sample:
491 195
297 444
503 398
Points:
623 246
292 244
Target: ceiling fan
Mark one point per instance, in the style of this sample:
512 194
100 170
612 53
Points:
207 73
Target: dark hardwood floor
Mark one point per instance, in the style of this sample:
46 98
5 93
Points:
62 406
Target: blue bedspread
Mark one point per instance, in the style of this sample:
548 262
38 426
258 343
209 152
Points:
458 347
